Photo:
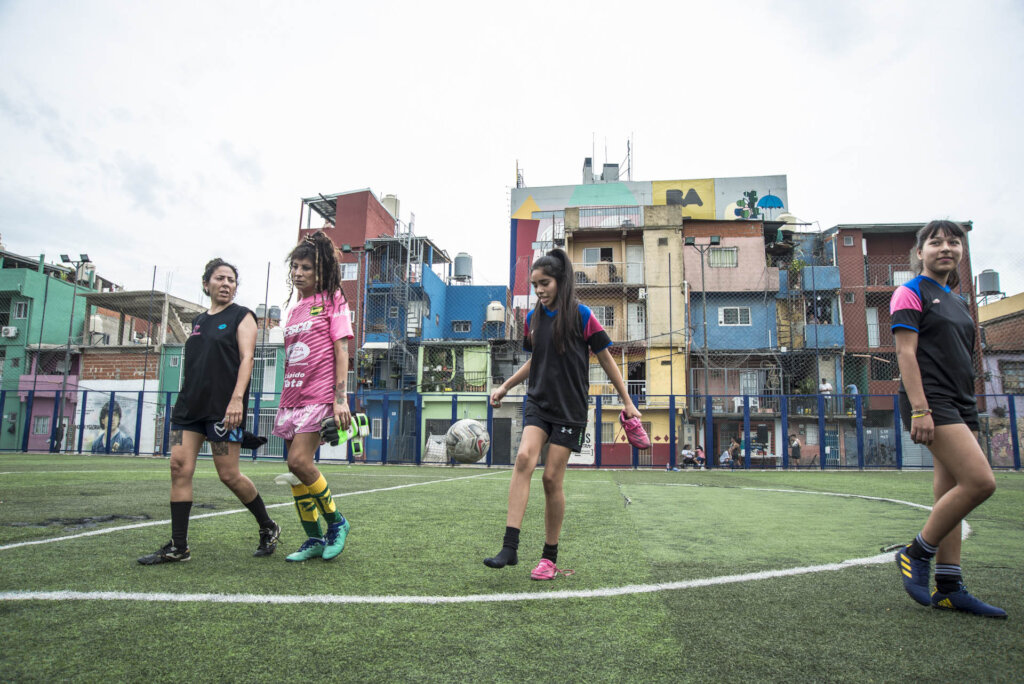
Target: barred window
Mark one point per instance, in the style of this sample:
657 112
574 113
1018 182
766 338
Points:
1013 376
734 315
723 257
21 310
349 271
40 425
607 432
605 315
376 428
462 326
594 255
597 375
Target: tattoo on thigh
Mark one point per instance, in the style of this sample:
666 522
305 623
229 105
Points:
219 448
176 437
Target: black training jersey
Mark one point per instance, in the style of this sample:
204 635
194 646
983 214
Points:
945 336
560 383
211 367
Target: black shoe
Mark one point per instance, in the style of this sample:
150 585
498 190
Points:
268 539
168 553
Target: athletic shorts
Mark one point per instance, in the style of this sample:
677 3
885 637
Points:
945 411
568 436
214 431
291 420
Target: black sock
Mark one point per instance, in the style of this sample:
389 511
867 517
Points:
259 510
947 578
179 523
550 552
920 549
509 547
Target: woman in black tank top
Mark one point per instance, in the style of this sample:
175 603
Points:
211 407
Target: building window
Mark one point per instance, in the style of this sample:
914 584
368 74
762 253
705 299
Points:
723 257
734 315
605 315
607 432
597 375
811 434
849 297
20 310
594 255
375 428
663 242
40 425
351 316
1013 376
847 241
393 312
349 271
462 326
264 370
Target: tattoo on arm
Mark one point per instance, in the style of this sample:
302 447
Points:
176 437
339 393
219 448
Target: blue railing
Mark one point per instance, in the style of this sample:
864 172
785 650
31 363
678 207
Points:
834 431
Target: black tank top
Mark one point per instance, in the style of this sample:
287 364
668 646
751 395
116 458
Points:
211 367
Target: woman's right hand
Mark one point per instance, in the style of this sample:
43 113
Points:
922 430
497 395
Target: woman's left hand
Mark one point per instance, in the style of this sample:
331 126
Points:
342 414
233 416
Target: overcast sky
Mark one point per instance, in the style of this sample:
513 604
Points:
163 134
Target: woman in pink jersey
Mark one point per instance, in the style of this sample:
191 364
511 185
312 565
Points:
315 376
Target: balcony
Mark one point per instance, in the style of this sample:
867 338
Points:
821 336
611 217
887 274
610 273
879 336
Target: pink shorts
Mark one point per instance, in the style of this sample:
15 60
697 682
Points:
292 420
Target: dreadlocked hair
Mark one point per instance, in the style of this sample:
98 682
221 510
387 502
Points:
211 266
318 248
555 264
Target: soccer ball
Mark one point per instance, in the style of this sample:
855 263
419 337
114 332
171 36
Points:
466 441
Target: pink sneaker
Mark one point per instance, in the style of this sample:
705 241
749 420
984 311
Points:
546 570
635 432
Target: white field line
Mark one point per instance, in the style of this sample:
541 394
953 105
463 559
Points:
151 523
283 599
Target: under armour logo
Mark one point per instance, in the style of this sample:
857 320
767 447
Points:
219 428
566 430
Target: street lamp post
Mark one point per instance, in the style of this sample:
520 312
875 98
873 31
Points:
83 259
714 241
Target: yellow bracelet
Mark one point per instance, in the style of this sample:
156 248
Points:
921 414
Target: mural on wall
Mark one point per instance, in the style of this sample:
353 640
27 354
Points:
120 415
696 197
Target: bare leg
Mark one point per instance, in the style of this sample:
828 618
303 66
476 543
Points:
962 460
949 547
300 457
554 495
225 458
526 461
185 446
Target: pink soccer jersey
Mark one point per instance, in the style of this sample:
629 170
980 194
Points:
314 323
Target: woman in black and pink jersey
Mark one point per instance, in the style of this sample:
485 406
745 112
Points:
935 335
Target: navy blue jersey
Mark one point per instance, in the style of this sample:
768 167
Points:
945 337
560 383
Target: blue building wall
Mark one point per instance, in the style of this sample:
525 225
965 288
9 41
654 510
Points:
823 336
469 303
434 324
760 334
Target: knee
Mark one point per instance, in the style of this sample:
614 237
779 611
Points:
180 469
229 478
552 483
984 488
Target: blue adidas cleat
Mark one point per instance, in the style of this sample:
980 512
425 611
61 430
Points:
915 574
962 601
335 542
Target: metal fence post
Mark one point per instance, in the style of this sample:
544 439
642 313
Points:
858 410
709 433
898 424
746 431
1014 437
597 431
672 431
821 431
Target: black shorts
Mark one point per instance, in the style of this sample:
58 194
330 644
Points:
945 411
568 436
213 430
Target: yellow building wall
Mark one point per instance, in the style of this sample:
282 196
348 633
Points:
690 190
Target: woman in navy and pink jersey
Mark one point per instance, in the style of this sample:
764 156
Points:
561 333
315 376
934 334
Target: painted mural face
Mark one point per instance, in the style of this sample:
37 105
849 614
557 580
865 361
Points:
544 286
303 278
940 255
222 285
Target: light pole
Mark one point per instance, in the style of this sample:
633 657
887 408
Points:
65 259
714 241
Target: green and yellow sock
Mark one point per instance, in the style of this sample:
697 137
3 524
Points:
322 494
306 505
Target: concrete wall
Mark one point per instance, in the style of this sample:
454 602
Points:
760 334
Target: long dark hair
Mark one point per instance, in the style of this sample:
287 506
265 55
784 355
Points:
211 266
319 249
931 229
555 264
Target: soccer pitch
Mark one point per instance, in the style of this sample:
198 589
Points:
680 576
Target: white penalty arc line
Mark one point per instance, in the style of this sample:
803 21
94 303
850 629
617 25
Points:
151 523
629 589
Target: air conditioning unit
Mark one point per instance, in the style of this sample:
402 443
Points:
642 293
9 331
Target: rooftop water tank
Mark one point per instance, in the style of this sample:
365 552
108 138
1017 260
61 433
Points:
392 204
261 311
463 266
275 313
988 282
495 313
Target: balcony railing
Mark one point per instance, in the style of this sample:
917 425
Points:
609 272
611 217
879 335
887 274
